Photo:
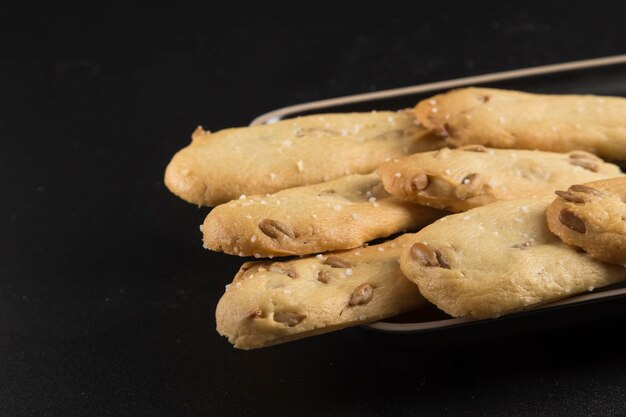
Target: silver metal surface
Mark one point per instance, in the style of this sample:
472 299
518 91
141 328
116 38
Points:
285 112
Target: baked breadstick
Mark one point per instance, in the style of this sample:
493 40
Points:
592 216
472 176
270 303
219 167
335 215
511 119
499 259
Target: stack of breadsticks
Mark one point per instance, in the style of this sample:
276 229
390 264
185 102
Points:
474 172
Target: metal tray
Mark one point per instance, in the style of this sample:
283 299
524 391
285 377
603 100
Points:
601 76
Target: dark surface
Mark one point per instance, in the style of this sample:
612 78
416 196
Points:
106 295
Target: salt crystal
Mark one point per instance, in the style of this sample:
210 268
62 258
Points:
300 165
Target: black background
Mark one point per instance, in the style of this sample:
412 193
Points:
106 296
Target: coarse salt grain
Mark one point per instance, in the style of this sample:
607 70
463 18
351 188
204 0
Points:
252 239
381 249
286 143
348 272
319 257
242 197
300 165
272 176
356 216
397 174
248 216
337 207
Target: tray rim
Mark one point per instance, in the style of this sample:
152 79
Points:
280 113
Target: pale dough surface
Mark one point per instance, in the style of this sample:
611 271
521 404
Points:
335 215
592 216
219 167
472 176
498 259
275 302
512 119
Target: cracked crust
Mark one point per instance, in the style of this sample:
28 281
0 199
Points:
512 119
592 216
472 176
267 304
219 167
335 215
499 259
